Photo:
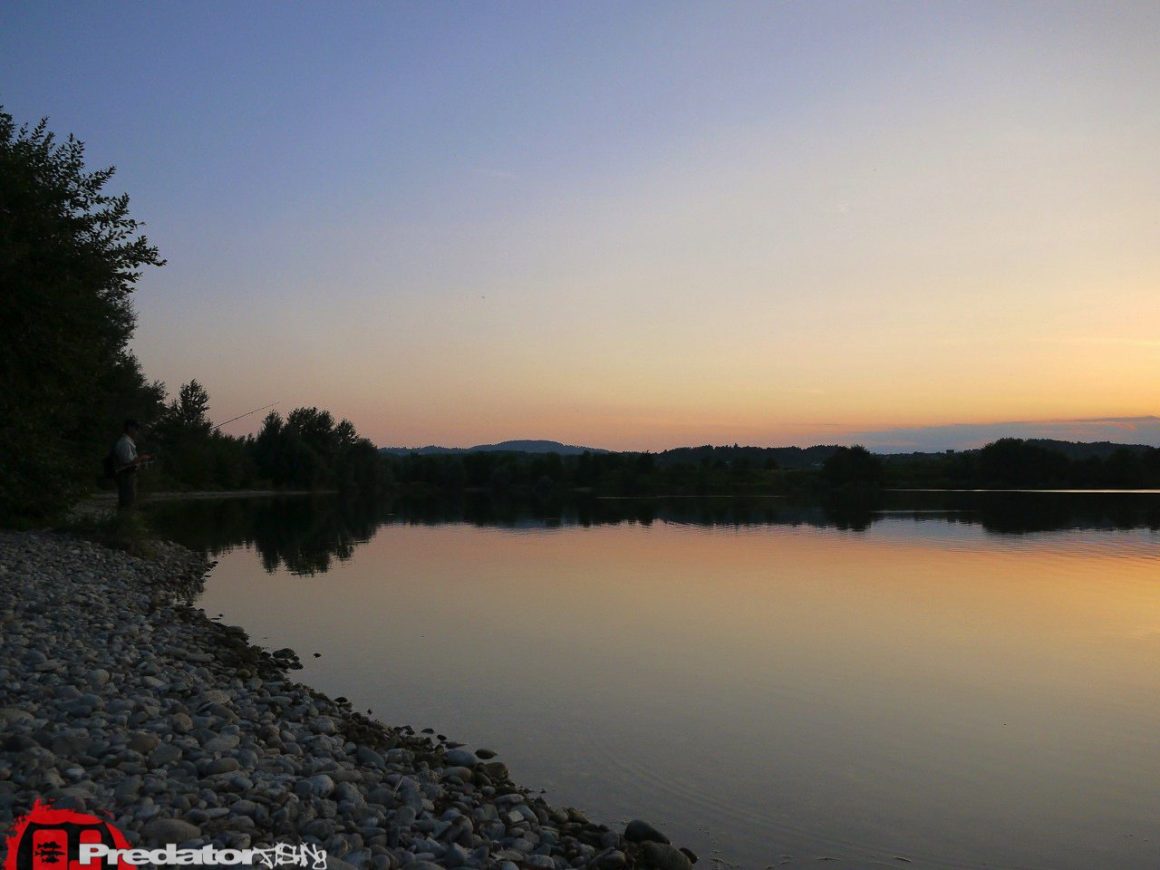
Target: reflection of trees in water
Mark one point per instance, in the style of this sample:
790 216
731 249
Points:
485 510
306 535
303 534
999 512
1021 512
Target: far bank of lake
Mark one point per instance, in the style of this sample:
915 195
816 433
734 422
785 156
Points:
959 680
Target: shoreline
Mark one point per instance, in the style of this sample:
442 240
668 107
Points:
121 698
104 502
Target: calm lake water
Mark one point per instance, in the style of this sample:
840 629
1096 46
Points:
957 680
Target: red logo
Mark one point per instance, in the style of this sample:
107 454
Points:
48 839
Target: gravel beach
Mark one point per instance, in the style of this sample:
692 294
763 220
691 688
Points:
120 699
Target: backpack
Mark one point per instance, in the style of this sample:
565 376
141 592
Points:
109 464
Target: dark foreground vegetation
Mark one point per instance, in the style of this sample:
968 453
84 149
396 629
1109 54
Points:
70 255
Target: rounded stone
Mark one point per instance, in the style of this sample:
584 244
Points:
662 856
460 758
640 831
165 754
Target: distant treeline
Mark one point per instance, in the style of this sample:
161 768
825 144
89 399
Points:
1005 464
1012 463
310 450
703 470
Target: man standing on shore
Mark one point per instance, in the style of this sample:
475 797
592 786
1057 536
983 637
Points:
127 463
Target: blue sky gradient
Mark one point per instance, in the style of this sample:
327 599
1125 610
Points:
631 225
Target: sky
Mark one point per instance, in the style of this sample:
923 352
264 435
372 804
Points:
632 225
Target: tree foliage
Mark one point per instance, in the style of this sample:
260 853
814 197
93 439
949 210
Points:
853 467
70 255
189 412
1012 463
193 455
309 450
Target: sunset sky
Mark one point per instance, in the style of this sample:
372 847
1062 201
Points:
633 225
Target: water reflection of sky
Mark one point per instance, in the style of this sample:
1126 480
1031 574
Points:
922 688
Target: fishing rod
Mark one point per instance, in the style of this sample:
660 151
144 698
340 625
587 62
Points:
240 416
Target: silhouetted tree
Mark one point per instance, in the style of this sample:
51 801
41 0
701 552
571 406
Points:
70 255
853 466
192 453
1013 462
190 410
308 450
1124 468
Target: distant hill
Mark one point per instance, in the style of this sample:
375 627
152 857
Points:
525 446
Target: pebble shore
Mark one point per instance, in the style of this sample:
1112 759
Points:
121 699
